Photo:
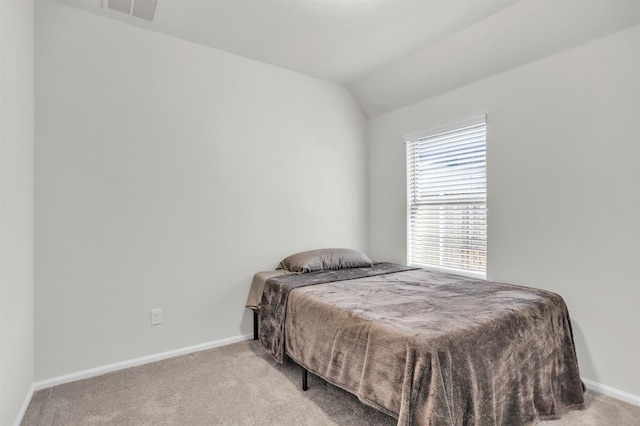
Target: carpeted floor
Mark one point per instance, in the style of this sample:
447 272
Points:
237 384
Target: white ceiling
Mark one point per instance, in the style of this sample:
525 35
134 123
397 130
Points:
388 53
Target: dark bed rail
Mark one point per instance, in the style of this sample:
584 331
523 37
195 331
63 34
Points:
304 379
255 324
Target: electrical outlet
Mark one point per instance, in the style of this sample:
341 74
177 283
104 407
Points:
156 316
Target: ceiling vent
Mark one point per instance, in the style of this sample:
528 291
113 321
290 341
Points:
144 9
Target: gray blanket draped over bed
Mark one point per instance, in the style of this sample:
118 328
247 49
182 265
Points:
427 347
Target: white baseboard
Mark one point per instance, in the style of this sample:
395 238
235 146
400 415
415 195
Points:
25 405
612 392
98 371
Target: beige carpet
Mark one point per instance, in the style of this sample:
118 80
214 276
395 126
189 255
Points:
237 385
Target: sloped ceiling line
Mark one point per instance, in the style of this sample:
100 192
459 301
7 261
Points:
388 53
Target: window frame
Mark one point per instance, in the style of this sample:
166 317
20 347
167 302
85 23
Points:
413 138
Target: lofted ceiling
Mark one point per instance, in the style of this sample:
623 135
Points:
388 53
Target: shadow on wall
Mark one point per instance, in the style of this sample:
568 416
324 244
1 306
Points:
585 363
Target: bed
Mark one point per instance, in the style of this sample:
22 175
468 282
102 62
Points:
426 347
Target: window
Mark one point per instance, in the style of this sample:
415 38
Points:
447 197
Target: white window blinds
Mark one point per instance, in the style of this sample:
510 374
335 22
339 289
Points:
447 197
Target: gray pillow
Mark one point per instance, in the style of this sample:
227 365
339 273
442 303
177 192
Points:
321 259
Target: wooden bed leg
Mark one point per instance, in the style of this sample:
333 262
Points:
255 325
304 379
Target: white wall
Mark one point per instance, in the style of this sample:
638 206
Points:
563 157
168 173
16 206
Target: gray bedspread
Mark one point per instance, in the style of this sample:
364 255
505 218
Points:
276 291
429 348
